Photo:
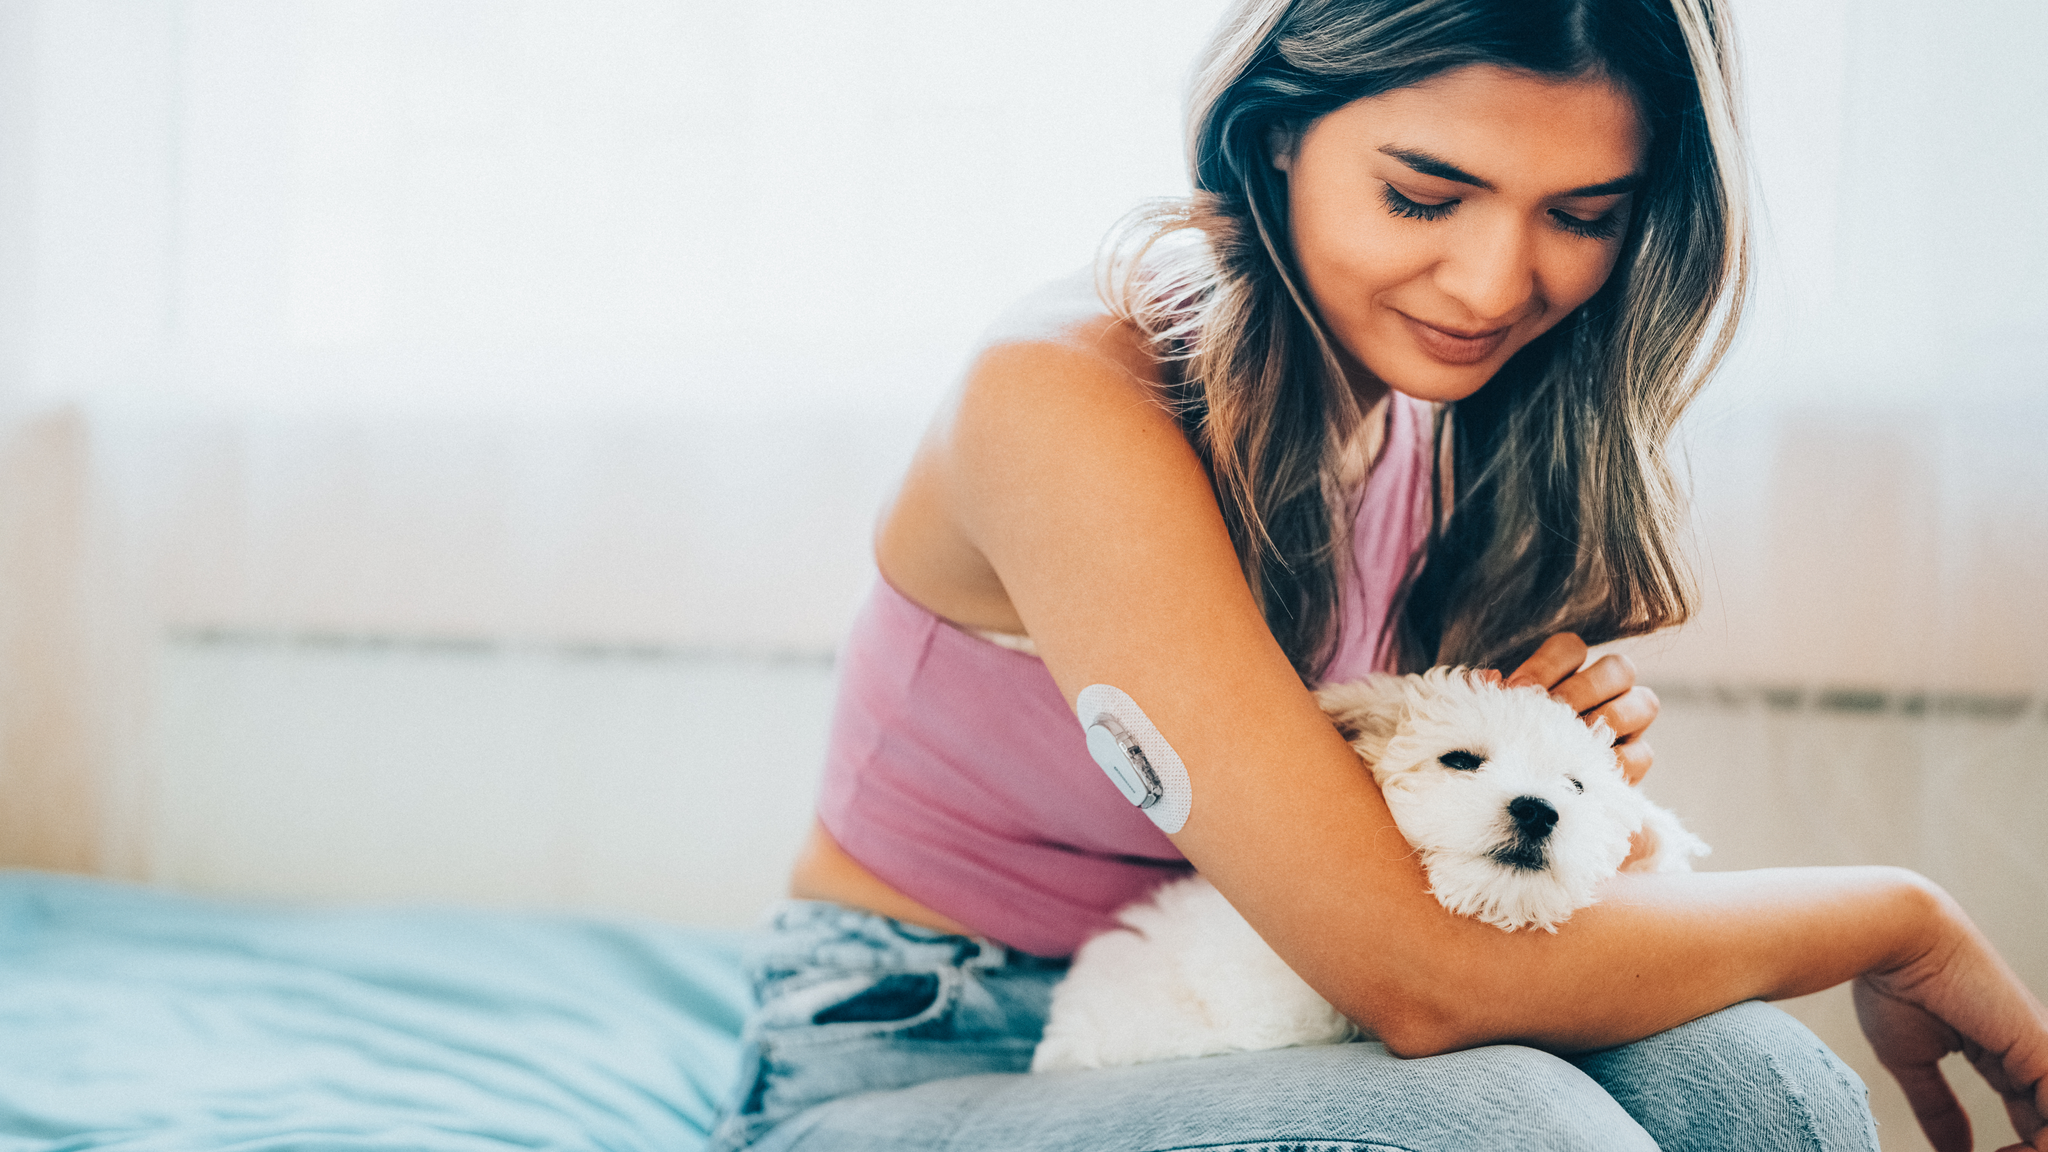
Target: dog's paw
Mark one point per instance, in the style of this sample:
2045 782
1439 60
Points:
1668 845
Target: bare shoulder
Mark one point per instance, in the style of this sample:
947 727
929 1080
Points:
1052 368
1056 381
1064 336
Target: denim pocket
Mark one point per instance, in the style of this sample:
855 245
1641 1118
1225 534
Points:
822 1007
896 997
850 1003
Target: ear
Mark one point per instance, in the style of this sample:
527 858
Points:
1282 142
1368 712
1446 681
1602 732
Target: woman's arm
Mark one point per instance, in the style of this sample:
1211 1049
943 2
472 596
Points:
1098 520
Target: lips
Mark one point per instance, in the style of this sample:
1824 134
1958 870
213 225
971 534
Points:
1455 348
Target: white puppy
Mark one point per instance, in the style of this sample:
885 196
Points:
1517 808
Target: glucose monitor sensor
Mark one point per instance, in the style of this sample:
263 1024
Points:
1135 757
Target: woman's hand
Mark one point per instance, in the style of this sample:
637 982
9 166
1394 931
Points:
1958 996
1605 690
1955 995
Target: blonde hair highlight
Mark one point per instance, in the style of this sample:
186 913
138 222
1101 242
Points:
1558 504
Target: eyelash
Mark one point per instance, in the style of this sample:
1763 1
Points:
1601 228
1408 209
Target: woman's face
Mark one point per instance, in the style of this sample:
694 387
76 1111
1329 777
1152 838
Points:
1443 226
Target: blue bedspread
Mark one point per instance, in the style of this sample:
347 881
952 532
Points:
148 1022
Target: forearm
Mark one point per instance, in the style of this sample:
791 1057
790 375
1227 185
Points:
1660 950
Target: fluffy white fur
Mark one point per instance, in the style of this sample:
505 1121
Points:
1184 975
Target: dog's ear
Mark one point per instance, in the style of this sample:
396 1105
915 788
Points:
1368 712
1443 681
1602 732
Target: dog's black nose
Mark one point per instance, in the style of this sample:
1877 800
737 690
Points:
1534 817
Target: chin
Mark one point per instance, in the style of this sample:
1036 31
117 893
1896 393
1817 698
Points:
1420 378
1397 363
1444 386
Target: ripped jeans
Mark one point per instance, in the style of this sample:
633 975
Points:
872 1034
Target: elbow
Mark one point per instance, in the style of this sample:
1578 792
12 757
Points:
1422 1022
1446 1003
1414 1040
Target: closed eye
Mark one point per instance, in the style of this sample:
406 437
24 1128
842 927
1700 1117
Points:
1461 760
1576 786
1604 227
1402 206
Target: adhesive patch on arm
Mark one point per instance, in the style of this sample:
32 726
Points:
1135 757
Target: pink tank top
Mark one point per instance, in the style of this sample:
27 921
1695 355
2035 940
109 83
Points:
957 773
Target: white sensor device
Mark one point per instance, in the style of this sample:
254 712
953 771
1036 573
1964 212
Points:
1135 757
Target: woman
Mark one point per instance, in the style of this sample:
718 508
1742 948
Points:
1233 484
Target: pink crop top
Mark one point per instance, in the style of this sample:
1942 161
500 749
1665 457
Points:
957 773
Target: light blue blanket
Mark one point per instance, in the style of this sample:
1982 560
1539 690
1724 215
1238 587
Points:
137 1020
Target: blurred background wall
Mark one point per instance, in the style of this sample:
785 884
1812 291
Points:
592 325
439 438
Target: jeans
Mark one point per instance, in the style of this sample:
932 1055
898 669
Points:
874 1034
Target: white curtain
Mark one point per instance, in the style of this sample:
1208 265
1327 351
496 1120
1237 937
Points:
593 323
1872 493
613 323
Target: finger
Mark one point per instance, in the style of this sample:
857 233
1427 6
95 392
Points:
1601 681
1991 1066
2027 1123
1635 758
1629 714
1934 1105
1557 658
2038 1142
2026 1103
2023 1102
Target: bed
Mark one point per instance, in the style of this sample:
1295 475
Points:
145 1021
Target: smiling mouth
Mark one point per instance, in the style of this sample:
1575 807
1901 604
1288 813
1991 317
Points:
1453 347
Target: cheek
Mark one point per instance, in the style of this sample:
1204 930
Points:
1350 249
1573 269
1436 803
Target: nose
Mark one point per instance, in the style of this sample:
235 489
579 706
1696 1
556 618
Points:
1491 272
1533 816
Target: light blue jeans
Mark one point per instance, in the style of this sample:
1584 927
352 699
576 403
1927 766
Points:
873 1034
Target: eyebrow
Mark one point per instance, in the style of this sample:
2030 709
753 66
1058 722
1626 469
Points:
1437 166
1627 183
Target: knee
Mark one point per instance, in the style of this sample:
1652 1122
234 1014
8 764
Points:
1539 1100
1750 1067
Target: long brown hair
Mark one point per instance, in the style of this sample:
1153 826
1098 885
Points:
1557 505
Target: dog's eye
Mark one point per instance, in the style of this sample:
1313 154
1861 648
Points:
1576 786
1461 760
